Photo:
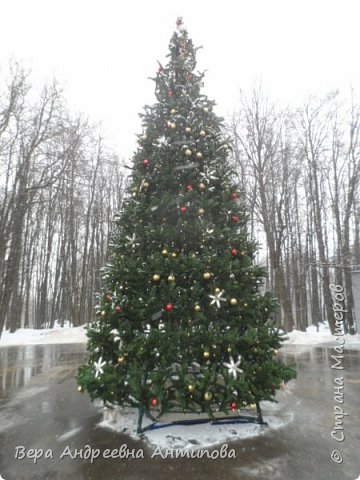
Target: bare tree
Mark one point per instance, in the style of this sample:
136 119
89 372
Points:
263 150
59 191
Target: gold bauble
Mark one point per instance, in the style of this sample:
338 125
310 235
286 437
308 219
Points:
245 304
199 155
156 277
206 355
190 388
103 313
121 360
208 396
217 291
134 194
207 276
188 152
201 211
188 130
229 350
202 133
173 111
206 109
275 352
202 187
233 301
165 253
174 255
197 308
144 138
173 126
80 389
146 184
171 278
252 406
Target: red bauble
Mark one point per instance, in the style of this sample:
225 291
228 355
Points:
169 307
190 77
170 93
233 405
154 402
146 162
235 218
108 297
189 188
233 196
183 209
234 252
117 309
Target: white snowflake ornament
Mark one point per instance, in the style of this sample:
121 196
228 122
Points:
233 367
116 334
208 175
99 367
217 298
132 241
162 141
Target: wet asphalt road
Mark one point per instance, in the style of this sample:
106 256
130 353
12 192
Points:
40 408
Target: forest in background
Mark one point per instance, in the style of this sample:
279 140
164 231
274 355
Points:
61 187
300 171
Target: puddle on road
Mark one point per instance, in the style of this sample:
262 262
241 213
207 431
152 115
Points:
57 415
21 366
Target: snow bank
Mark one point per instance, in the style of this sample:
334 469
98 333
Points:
68 334
314 336
31 336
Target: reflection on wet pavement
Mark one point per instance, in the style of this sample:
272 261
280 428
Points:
40 408
20 364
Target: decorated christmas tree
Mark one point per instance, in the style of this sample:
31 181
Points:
181 324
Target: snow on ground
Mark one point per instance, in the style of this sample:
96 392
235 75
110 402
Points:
314 336
180 436
191 437
68 334
32 336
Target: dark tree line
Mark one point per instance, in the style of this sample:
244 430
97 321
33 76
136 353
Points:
300 171
60 188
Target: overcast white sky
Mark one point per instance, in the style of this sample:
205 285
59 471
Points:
103 51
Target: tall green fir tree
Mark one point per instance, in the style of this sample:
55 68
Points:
181 324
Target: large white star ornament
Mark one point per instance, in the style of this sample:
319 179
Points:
233 367
99 367
217 298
